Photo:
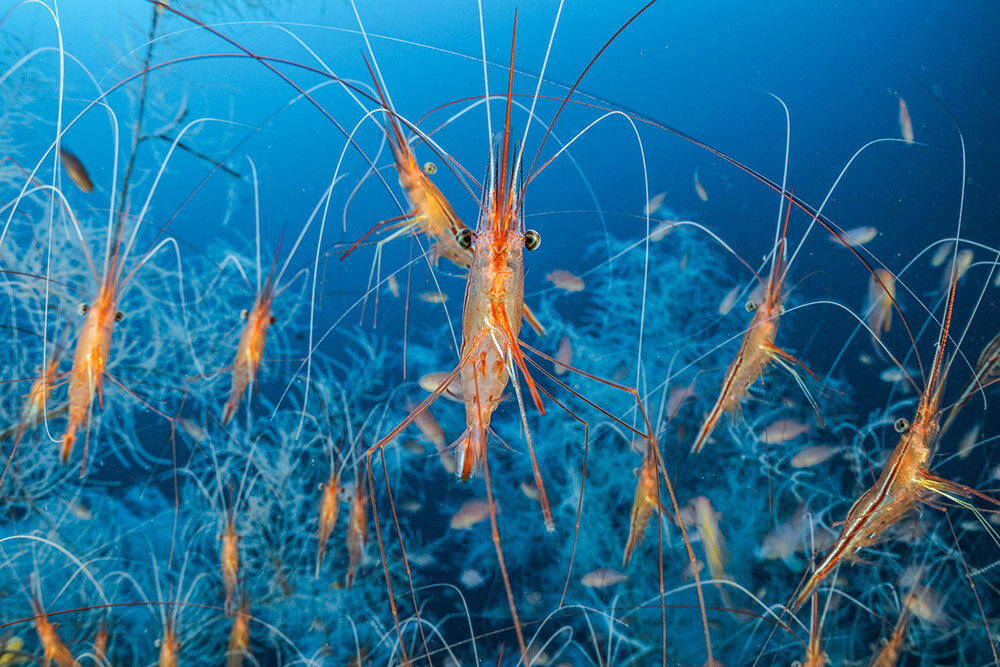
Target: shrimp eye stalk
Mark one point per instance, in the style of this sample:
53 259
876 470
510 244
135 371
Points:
464 238
532 240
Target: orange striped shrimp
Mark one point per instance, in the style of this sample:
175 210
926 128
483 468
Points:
357 527
35 405
170 646
430 211
647 499
905 481
329 507
892 648
253 338
54 650
239 637
492 355
757 349
90 358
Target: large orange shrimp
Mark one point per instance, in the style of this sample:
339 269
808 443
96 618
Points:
905 480
430 211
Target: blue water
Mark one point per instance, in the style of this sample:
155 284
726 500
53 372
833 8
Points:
127 533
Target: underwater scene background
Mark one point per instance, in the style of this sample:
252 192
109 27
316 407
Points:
267 397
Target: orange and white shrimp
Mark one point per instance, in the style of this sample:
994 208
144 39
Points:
53 647
430 211
757 349
647 499
357 527
239 636
905 481
329 506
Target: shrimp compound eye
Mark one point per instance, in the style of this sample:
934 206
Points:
273 319
119 316
82 308
430 168
532 239
244 314
901 425
464 238
751 306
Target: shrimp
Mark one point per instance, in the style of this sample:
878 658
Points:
757 349
430 212
329 508
905 480
90 358
48 636
34 407
891 648
239 637
647 499
230 557
250 350
170 646
357 527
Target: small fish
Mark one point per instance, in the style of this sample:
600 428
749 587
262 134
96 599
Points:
678 396
783 430
942 253
892 374
470 513
905 124
655 203
430 168
855 237
472 578
411 506
77 172
429 382
661 230
866 359
412 446
80 511
602 578
968 442
961 265
193 429
530 489
878 303
925 603
433 297
564 355
716 555
393 285
431 429
785 540
729 300
565 280
813 456
698 187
